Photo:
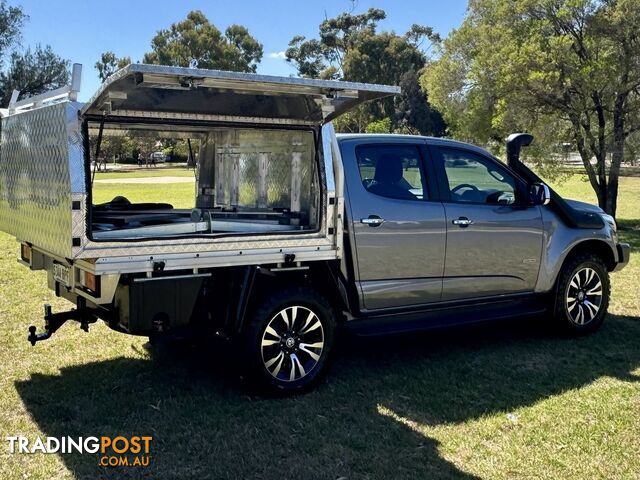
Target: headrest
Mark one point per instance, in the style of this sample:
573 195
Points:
388 169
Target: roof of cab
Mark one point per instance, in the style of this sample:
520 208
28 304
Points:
391 137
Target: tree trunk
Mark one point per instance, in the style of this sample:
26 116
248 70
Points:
596 179
602 192
611 204
600 188
617 156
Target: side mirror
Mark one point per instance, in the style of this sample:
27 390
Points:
539 194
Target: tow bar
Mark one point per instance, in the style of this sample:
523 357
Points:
53 321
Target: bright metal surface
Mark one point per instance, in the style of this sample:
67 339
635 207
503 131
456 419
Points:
182 228
292 343
228 245
108 284
41 172
36 196
372 221
189 91
251 167
547 195
68 92
221 151
462 222
203 117
171 278
229 258
328 137
584 296
333 176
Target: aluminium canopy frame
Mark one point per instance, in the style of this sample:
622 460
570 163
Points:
160 93
153 91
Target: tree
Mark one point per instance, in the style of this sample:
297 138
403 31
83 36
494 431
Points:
33 72
324 57
350 48
379 126
196 42
109 63
413 113
632 149
11 21
532 64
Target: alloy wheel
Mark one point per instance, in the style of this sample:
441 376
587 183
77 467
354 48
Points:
292 343
584 296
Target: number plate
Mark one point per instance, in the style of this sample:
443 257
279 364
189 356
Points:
61 274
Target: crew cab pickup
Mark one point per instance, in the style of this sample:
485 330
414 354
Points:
292 230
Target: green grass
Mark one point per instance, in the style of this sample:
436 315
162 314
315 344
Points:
495 402
133 171
628 195
180 195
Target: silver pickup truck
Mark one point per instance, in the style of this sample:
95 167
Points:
292 229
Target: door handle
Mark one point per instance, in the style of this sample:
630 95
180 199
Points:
462 222
372 221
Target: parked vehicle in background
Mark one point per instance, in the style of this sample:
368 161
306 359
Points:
294 230
157 157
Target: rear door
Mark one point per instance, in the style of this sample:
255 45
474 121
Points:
397 230
494 237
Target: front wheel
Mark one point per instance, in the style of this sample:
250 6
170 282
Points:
288 343
582 294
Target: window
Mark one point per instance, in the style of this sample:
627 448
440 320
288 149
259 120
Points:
393 171
474 179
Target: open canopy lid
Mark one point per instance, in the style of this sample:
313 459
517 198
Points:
157 91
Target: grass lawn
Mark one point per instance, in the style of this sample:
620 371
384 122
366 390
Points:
180 195
497 402
133 171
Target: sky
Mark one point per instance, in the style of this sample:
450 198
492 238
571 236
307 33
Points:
81 30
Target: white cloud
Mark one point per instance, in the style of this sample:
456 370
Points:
281 55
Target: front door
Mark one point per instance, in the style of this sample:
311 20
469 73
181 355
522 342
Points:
398 232
494 237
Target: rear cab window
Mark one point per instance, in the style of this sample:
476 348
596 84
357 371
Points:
392 171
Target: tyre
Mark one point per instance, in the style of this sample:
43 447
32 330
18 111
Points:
582 295
288 342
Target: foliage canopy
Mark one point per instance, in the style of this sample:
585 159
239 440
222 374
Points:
350 47
30 71
566 70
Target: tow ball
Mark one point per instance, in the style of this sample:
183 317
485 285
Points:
53 321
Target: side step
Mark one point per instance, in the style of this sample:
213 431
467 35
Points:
442 317
53 321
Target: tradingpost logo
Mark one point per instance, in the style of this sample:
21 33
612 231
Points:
116 451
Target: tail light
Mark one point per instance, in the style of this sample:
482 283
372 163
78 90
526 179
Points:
25 253
90 282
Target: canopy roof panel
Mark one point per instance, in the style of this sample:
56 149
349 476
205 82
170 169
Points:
157 91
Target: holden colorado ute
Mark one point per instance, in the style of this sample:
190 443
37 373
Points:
286 230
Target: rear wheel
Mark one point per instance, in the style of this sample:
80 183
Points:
582 294
289 341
